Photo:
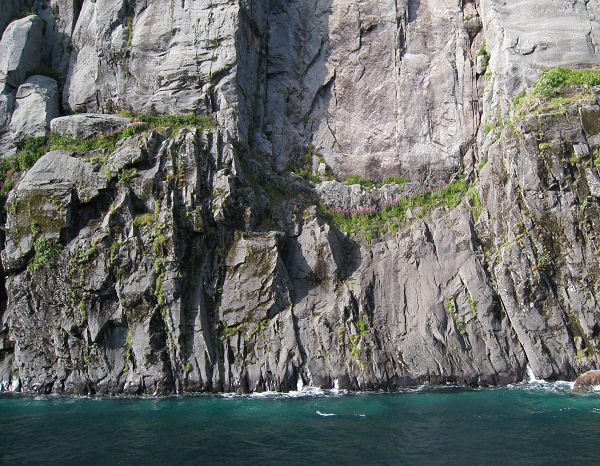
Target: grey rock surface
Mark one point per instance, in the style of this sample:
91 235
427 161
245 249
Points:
20 49
44 200
351 87
255 287
159 288
565 35
85 125
158 57
190 260
36 103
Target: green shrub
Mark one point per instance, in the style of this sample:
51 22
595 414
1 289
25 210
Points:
400 180
552 80
45 253
356 179
486 57
143 220
362 327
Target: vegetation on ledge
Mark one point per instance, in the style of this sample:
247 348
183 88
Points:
554 79
368 183
371 222
32 149
555 88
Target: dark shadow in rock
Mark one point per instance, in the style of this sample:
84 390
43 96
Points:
413 8
82 214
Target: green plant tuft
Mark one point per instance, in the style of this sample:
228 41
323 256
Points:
553 79
45 253
356 179
486 57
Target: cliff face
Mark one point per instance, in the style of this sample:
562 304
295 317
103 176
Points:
180 255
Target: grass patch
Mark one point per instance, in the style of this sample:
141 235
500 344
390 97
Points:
127 174
554 79
201 122
399 180
143 220
362 327
482 164
356 179
371 222
32 150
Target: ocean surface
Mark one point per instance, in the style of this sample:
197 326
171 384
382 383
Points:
533 423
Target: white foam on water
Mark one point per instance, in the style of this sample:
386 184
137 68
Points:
299 384
531 376
306 391
325 414
266 394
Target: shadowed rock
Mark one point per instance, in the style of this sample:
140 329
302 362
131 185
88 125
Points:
20 49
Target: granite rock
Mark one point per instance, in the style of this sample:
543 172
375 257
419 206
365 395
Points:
86 125
36 103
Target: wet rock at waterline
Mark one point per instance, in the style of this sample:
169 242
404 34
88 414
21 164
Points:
588 381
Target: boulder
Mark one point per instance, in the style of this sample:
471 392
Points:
587 381
36 105
20 49
86 125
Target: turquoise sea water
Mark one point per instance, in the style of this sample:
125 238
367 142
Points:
526 424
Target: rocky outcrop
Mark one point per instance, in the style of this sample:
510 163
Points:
178 272
119 60
36 103
85 125
587 381
141 285
519 52
20 50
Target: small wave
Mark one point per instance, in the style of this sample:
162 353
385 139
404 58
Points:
325 414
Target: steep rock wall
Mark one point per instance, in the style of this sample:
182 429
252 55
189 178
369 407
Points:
187 260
